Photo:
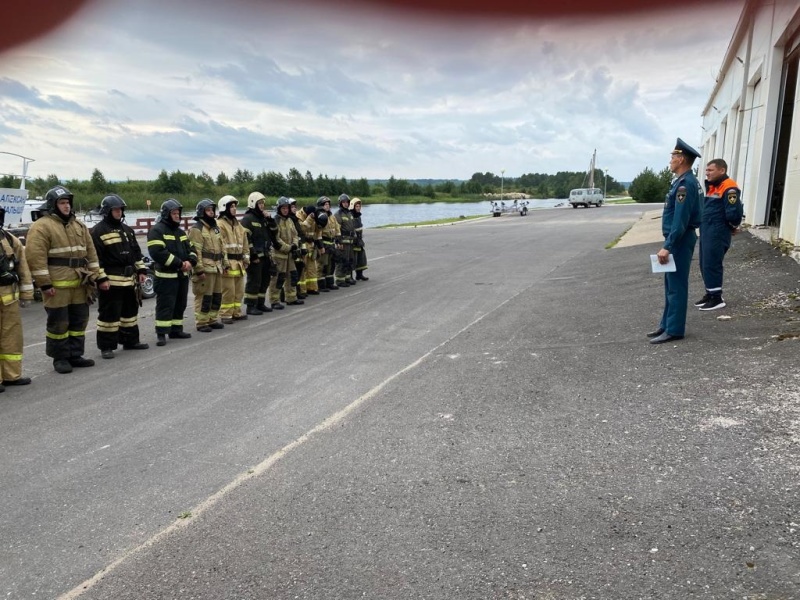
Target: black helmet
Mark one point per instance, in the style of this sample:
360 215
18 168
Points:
53 195
322 200
283 200
168 206
202 206
109 202
321 219
344 198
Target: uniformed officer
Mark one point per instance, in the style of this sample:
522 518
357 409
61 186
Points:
16 288
120 258
174 258
63 262
330 230
681 216
285 247
347 232
359 252
237 254
256 223
722 215
206 242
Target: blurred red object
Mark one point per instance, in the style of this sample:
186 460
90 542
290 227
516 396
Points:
33 18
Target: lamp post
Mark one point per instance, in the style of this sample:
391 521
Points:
605 184
25 162
502 181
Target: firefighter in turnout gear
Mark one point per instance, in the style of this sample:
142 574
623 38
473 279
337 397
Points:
311 238
285 248
121 260
256 223
16 288
206 242
299 257
63 262
330 233
174 258
347 233
359 253
237 253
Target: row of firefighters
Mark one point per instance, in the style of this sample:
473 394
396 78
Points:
236 268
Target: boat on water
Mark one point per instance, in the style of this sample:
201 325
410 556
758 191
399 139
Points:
589 195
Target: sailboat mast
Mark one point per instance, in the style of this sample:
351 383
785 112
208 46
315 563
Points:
591 169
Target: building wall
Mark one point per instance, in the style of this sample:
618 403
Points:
739 121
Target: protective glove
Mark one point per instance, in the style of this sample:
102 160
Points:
294 247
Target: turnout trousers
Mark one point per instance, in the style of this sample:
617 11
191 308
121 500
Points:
360 261
255 290
286 274
117 317
344 263
312 272
10 341
207 298
67 318
171 298
232 292
715 239
676 286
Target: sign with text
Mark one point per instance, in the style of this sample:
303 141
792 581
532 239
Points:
13 200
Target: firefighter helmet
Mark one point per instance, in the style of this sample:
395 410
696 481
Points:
322 200
110 202
252 199
52 197
202 206
226 201
344 198
321 219
168 206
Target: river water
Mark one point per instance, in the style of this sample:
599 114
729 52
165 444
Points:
376 215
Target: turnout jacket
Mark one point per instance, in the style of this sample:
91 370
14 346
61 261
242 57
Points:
14 253
358 228
286 236
235 245
310 233
259 232
206 241
345 221
723 203
169 247
61 253
118 252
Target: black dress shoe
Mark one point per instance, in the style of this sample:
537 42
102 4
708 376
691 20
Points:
665 337
655 333
20 381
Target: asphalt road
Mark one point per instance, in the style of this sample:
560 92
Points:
482 419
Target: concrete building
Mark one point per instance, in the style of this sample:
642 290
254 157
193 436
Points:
752 118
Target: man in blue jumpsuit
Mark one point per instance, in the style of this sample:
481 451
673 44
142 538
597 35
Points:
722 215
681 217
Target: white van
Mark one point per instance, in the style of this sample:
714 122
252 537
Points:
586 197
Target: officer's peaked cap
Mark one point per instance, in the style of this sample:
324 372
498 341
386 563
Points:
683 148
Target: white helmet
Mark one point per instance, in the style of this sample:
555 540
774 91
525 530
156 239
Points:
252 199
223 203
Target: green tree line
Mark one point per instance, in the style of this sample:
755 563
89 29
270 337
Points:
188 188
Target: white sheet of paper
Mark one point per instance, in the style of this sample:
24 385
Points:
657 267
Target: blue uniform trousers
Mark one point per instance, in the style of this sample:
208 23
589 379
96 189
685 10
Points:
715 239
676 285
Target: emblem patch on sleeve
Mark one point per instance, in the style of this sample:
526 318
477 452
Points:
733 196
680 196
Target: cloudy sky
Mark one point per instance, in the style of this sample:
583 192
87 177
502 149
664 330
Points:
131 88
